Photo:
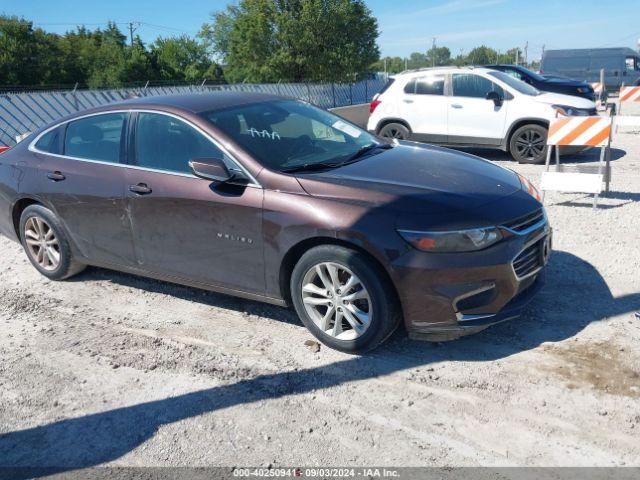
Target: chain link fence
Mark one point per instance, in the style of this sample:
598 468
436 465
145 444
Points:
28 111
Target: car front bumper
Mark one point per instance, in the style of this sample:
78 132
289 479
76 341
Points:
444 297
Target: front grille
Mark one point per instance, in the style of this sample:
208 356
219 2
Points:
520 224
529 260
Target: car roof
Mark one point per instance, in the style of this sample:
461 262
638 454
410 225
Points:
453 68
197 102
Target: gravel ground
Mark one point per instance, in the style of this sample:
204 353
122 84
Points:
112 369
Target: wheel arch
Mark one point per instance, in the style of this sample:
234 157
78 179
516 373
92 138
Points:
296 251
521 123
16 212
387 121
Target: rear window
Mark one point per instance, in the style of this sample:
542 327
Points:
50 141
431 85
96 138
387 86
410 87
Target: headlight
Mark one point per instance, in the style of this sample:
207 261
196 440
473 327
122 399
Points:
527 186
454 241
568 111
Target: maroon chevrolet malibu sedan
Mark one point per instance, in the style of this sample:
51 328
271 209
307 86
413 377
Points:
275 200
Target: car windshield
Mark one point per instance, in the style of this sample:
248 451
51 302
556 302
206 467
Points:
534 75
289 135
516 84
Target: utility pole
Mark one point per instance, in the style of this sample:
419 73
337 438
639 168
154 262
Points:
517 55
526 54
543 50
132 29
385 65
406 64
433 52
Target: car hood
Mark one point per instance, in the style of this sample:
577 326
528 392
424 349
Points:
568 100
565 82
415 178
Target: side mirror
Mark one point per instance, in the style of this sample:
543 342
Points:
496 97
213 169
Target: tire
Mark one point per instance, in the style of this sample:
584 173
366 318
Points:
376 299
40 230
395 130
528 144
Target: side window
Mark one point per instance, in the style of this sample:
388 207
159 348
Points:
431 85
166 143
631 64
410 87
96 138
474 86
50 141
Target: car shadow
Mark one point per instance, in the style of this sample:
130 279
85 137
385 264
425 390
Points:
558 313
204 297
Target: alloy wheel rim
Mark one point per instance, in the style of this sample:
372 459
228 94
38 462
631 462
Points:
393 133
337 301
42 243
530 144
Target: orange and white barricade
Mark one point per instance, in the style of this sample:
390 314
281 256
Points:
628 95
578 132
599 91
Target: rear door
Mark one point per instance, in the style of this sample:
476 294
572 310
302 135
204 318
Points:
82 178
425 106
185 226
472 118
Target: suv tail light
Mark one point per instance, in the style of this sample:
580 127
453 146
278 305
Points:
4 149
374 105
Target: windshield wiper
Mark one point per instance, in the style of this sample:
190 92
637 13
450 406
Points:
310 167
364 150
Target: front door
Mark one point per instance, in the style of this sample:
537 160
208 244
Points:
425 108
83 180
188 227
472 118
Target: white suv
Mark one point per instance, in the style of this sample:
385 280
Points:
471 106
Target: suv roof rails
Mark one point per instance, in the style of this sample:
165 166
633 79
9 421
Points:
426 69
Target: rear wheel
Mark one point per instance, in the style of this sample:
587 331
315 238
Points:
395 130
343 299
46 244
528 144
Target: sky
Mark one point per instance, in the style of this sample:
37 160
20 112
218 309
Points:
405 25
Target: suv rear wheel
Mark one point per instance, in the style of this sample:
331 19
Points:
394 130
343 299
528 144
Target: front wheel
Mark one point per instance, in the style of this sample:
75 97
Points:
344 299
528 144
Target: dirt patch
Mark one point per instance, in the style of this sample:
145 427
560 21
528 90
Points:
600 365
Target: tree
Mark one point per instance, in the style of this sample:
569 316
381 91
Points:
482 55
27 55
181 58
438 57
294 40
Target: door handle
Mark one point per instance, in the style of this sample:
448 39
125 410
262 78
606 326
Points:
55 176
140 189
407 100
456 105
